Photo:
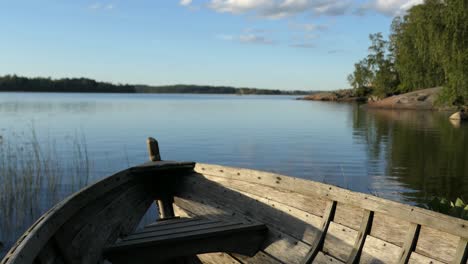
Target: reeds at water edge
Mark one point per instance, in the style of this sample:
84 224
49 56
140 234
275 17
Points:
35 175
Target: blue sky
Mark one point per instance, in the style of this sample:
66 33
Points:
273 44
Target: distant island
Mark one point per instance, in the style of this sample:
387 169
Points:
13 83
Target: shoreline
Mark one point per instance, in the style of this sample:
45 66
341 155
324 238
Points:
344 95
424 99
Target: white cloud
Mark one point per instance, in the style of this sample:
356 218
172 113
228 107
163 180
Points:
185 2
281 8
249 38
276 9
390 7
238 6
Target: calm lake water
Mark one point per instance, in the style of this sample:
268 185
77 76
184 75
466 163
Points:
406 156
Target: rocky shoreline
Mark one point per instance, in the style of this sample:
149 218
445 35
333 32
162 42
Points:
424 99
345 95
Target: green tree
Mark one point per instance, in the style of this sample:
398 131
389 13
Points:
428 47
455 50
376 72
361 78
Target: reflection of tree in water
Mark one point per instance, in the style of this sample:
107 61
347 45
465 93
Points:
423 150
32 180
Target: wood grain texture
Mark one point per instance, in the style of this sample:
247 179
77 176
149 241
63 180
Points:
260 258
217 258
437 244
366 224
369 202
410 243
107 225
325 259
317 245
379 251
390 229
163 245
33 241
312 205
301 225
416 258
279 245
349 216
339 241
461 255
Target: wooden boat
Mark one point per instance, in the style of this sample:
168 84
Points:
216 214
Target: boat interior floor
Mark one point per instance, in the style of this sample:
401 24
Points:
179 237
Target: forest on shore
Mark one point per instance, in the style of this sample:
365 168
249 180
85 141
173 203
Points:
13 83
427 47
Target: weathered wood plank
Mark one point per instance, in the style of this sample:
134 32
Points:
416 258
461 256
410 243
210 258
309 188
35 238
301 225
166 234
312 205
117 219
361 238
325 259
148 168
259 258
172 221
390 229
437 244
378 251
349 216
70 229
184 224
339 241
279 245
243 239
318 243
217 258
215 232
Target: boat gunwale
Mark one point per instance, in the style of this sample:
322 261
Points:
412 214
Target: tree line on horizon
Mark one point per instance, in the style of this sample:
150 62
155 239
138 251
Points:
13 83
427 47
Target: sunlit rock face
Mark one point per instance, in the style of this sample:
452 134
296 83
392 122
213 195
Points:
460 115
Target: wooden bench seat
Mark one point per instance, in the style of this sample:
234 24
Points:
174 238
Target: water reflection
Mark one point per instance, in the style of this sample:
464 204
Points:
424 152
